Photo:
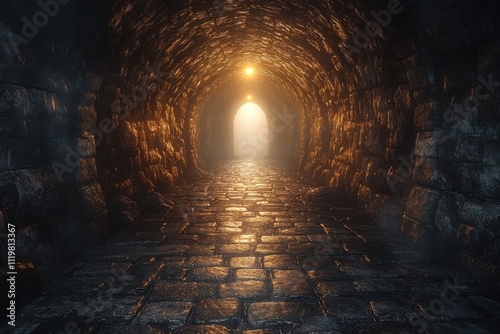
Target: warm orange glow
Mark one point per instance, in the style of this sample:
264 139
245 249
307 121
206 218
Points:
249 71
251 132
249 97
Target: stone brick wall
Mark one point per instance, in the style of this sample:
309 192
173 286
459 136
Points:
418 146
457 181
48 175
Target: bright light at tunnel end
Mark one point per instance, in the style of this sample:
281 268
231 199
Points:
251 132
249 71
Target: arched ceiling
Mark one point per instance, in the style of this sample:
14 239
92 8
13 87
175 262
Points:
204 49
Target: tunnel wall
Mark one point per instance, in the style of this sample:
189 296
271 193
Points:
455 198
48 175
145 149
414 138
84 130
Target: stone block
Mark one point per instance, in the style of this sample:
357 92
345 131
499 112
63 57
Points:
467 178
14 108
469 148
171 313
347 309
42 104
376 176
209 274
448 214
86 146
422 204
29 188
86 118
91 200
427 144
473 213
57 125
92 82
12 67
87 99
397 137
479 181
248 290
376 140
289 289
419 78
35 129
248 262
22 154
491 155
86 171
383 99
403 98
419 235
50 78
492 132
391 155
279 262
225 311
427 116
265 314
391 311
491 219
430 173
469 237
388 213
183 291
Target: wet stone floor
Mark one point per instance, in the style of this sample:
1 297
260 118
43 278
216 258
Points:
241 253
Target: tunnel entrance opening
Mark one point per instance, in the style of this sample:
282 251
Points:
251 132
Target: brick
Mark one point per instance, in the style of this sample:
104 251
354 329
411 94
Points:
171 313
224 311
276 313
422 204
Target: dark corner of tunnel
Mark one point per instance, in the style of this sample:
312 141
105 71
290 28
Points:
106 104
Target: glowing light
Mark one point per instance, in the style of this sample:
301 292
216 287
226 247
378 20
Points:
249 71
249 97
251 132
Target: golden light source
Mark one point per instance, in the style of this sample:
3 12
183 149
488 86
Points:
249 71
251 132
249 97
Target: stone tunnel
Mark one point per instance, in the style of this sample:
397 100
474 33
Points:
125 208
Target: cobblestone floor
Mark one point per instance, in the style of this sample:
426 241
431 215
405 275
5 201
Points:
240 253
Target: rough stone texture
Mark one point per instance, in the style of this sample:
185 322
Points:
175 313
41 119
448 214
218 311
376 284
422 204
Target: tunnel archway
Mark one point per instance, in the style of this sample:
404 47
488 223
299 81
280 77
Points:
251 132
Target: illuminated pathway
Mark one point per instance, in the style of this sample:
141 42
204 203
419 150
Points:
241 253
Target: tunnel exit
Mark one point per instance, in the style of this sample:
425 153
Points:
251 132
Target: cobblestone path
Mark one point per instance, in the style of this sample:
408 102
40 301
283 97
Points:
240 253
